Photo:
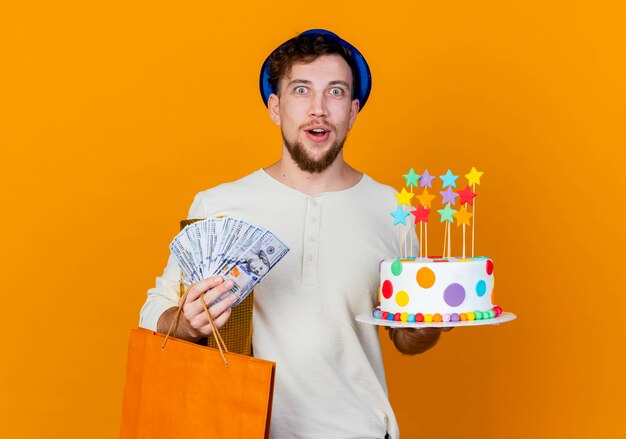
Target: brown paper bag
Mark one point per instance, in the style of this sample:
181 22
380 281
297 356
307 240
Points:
186 391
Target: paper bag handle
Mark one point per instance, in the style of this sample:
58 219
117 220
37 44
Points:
218 338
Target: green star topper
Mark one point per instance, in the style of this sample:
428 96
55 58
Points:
446 213
411 178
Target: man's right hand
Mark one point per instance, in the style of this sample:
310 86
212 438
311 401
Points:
193 323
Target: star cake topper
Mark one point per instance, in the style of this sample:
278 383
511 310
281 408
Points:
448 196
473 177
399 216
446 213
449 179
421 214
404 197
426 179
426 199
411 178
462 216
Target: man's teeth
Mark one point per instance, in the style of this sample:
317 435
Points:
318 131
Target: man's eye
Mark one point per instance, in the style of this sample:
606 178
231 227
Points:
336 91
301 90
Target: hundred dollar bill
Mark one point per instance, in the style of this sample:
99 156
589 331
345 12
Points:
213 227
253 265
237 230
249 234
192 232
228 247
184 259
222 237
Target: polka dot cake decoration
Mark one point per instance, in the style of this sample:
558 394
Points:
437 291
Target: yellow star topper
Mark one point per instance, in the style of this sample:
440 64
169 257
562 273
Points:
462 216
404 197
426 199
474 176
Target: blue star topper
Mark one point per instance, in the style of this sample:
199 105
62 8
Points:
399 216
449 179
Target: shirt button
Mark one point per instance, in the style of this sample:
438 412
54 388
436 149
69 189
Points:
313 220
314 203
310 258
311 238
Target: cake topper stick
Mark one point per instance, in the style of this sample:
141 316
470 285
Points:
399 216
449 181
446 215
426 240
473 222
446 248
462 217
411 180
421 216
404 239
409 229
445 238
464 238
473 178
449 239
421 239
411 245
404 198
425 200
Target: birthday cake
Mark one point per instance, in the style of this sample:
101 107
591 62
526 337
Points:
437 290
426 289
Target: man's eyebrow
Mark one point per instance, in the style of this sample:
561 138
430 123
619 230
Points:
298 81
339 82
306 81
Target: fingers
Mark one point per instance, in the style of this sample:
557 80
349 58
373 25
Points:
214 293
208 290
219 308
219 322
222 318
201 287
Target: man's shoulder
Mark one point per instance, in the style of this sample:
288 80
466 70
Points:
376 187
223 194
228 188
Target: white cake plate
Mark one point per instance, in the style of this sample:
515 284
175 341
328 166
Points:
370 319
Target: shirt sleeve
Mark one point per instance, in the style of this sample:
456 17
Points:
164 295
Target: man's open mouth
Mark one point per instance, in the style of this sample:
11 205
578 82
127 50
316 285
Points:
317 132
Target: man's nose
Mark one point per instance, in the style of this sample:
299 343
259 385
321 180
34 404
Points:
318 105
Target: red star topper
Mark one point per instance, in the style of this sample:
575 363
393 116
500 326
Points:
466 195
421 213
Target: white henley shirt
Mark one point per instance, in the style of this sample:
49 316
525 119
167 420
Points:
330 381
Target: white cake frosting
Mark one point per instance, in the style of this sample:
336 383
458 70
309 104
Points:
437 289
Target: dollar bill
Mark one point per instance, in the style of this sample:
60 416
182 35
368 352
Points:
253 265
227 247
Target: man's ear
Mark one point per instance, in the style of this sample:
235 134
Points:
273 107
354 110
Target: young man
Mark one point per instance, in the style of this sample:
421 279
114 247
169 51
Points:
330 380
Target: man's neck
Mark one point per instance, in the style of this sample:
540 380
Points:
338 176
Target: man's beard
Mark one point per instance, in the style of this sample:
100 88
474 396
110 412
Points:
306 163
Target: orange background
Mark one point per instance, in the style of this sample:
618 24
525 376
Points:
114 114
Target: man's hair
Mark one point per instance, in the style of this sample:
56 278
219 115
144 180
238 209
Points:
305 49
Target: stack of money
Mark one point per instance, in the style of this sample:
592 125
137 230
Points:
228 247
